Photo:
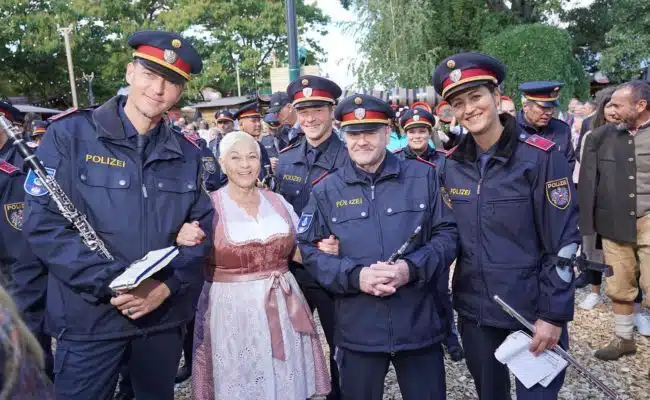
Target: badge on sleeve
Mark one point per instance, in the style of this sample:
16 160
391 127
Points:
305 222
14 215
33 184
209 164
558 193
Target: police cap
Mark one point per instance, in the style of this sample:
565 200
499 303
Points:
38 127
362 112
166 53
313 91
465 70
544 93
224 115
271 120
10 112
248 111
417 117
278 100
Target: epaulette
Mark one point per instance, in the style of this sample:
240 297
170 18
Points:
67 112
289 147
7 167
451 151
193 138
320 178
422 160
537 141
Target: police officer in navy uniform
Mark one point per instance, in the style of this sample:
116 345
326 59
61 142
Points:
225 124
300 165
512 197
137 182
418 125
7 151
38 130
287 115
536 117
22 273
384 312
250 121
272 142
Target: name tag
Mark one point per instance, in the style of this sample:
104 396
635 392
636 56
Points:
351 202
293 178
110 161
460 192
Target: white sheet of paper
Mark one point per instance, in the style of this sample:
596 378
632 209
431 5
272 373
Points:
142 269
529 369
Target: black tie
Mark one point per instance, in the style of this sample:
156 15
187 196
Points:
141 145
312 155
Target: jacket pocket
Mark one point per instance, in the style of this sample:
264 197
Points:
172 201
105 193
506 233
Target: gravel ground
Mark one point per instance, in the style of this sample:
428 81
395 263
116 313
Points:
589 331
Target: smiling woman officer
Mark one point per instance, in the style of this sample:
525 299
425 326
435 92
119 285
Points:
138 182
513 200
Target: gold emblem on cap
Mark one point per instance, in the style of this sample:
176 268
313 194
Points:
307 92
170 56
451 64
176 43
305 82
455 75
357 101
360 113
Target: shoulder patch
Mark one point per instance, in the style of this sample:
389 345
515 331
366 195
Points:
193 138
539 142
320 178
7 168
305 222
422 160
289 147
14 215
67 112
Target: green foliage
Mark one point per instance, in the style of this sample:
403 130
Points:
403 40
628 42
225 32
538 52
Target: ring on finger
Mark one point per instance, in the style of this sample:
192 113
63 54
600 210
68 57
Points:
129 312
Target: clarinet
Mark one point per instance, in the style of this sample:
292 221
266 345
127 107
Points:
67 209
610 393
400 252
270 181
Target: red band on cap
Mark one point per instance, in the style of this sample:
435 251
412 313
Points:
369 115
249 113
467 74
546 96
420 121
158 56
314 93
39 130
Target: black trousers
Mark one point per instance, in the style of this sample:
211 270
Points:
491 378
319 299
89 369
420 373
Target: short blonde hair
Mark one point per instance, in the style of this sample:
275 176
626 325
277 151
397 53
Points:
234 137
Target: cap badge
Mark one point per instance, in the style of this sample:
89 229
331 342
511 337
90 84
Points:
455 75
451 64
416 118
416 111
305 82
170 56
307 92
176 43
358 100
557 89
360 113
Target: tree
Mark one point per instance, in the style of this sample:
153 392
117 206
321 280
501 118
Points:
627 43
588 26
401 41
223 31
530 59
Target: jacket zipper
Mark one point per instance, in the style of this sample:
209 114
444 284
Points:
143 205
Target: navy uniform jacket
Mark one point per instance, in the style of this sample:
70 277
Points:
434 156
556 131
134 206
520 209
211 171
372 222
296 175
24 276
272 145
9 154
